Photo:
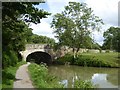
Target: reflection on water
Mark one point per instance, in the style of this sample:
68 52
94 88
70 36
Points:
100 77
101 81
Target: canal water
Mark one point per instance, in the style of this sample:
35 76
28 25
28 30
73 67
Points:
100 77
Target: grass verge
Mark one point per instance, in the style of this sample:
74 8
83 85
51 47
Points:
40 77
8 75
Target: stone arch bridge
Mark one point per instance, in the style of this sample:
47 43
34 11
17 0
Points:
43 52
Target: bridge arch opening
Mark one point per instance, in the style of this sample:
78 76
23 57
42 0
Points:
39 57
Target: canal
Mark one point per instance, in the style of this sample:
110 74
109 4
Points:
100 77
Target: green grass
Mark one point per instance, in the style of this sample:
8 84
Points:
111 58
40 77
91 59
8 75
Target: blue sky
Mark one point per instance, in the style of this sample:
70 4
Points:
105 9
44 6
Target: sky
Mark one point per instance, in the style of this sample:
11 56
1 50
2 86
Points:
107 10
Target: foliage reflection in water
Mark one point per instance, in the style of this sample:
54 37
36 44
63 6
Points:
100 77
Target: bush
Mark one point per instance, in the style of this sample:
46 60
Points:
91 61
13 58
9 59
83 84
5 60
64 59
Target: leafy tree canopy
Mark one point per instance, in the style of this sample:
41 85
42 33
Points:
112 39
38 39
24 10
15 31
74 25
14 18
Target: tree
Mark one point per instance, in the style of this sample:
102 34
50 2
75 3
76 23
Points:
15 32
112 39
13 15
38 39
24 10
73 26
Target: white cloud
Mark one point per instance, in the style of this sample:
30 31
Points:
58 6
105 9
42 29
98 37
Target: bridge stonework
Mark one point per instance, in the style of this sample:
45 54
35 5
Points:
31 48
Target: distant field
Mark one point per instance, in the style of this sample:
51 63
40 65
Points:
110 57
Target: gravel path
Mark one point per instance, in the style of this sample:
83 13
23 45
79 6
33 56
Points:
22 78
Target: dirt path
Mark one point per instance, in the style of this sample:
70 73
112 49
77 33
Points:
22 78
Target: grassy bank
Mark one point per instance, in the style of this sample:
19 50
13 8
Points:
107 59
91 59
41 78
8 75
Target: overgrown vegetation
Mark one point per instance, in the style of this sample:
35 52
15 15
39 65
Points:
8 75
83 84
41 78
90 59
10 58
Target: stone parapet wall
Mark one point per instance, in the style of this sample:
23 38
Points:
35 46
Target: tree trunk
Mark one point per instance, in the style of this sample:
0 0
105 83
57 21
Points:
74 53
